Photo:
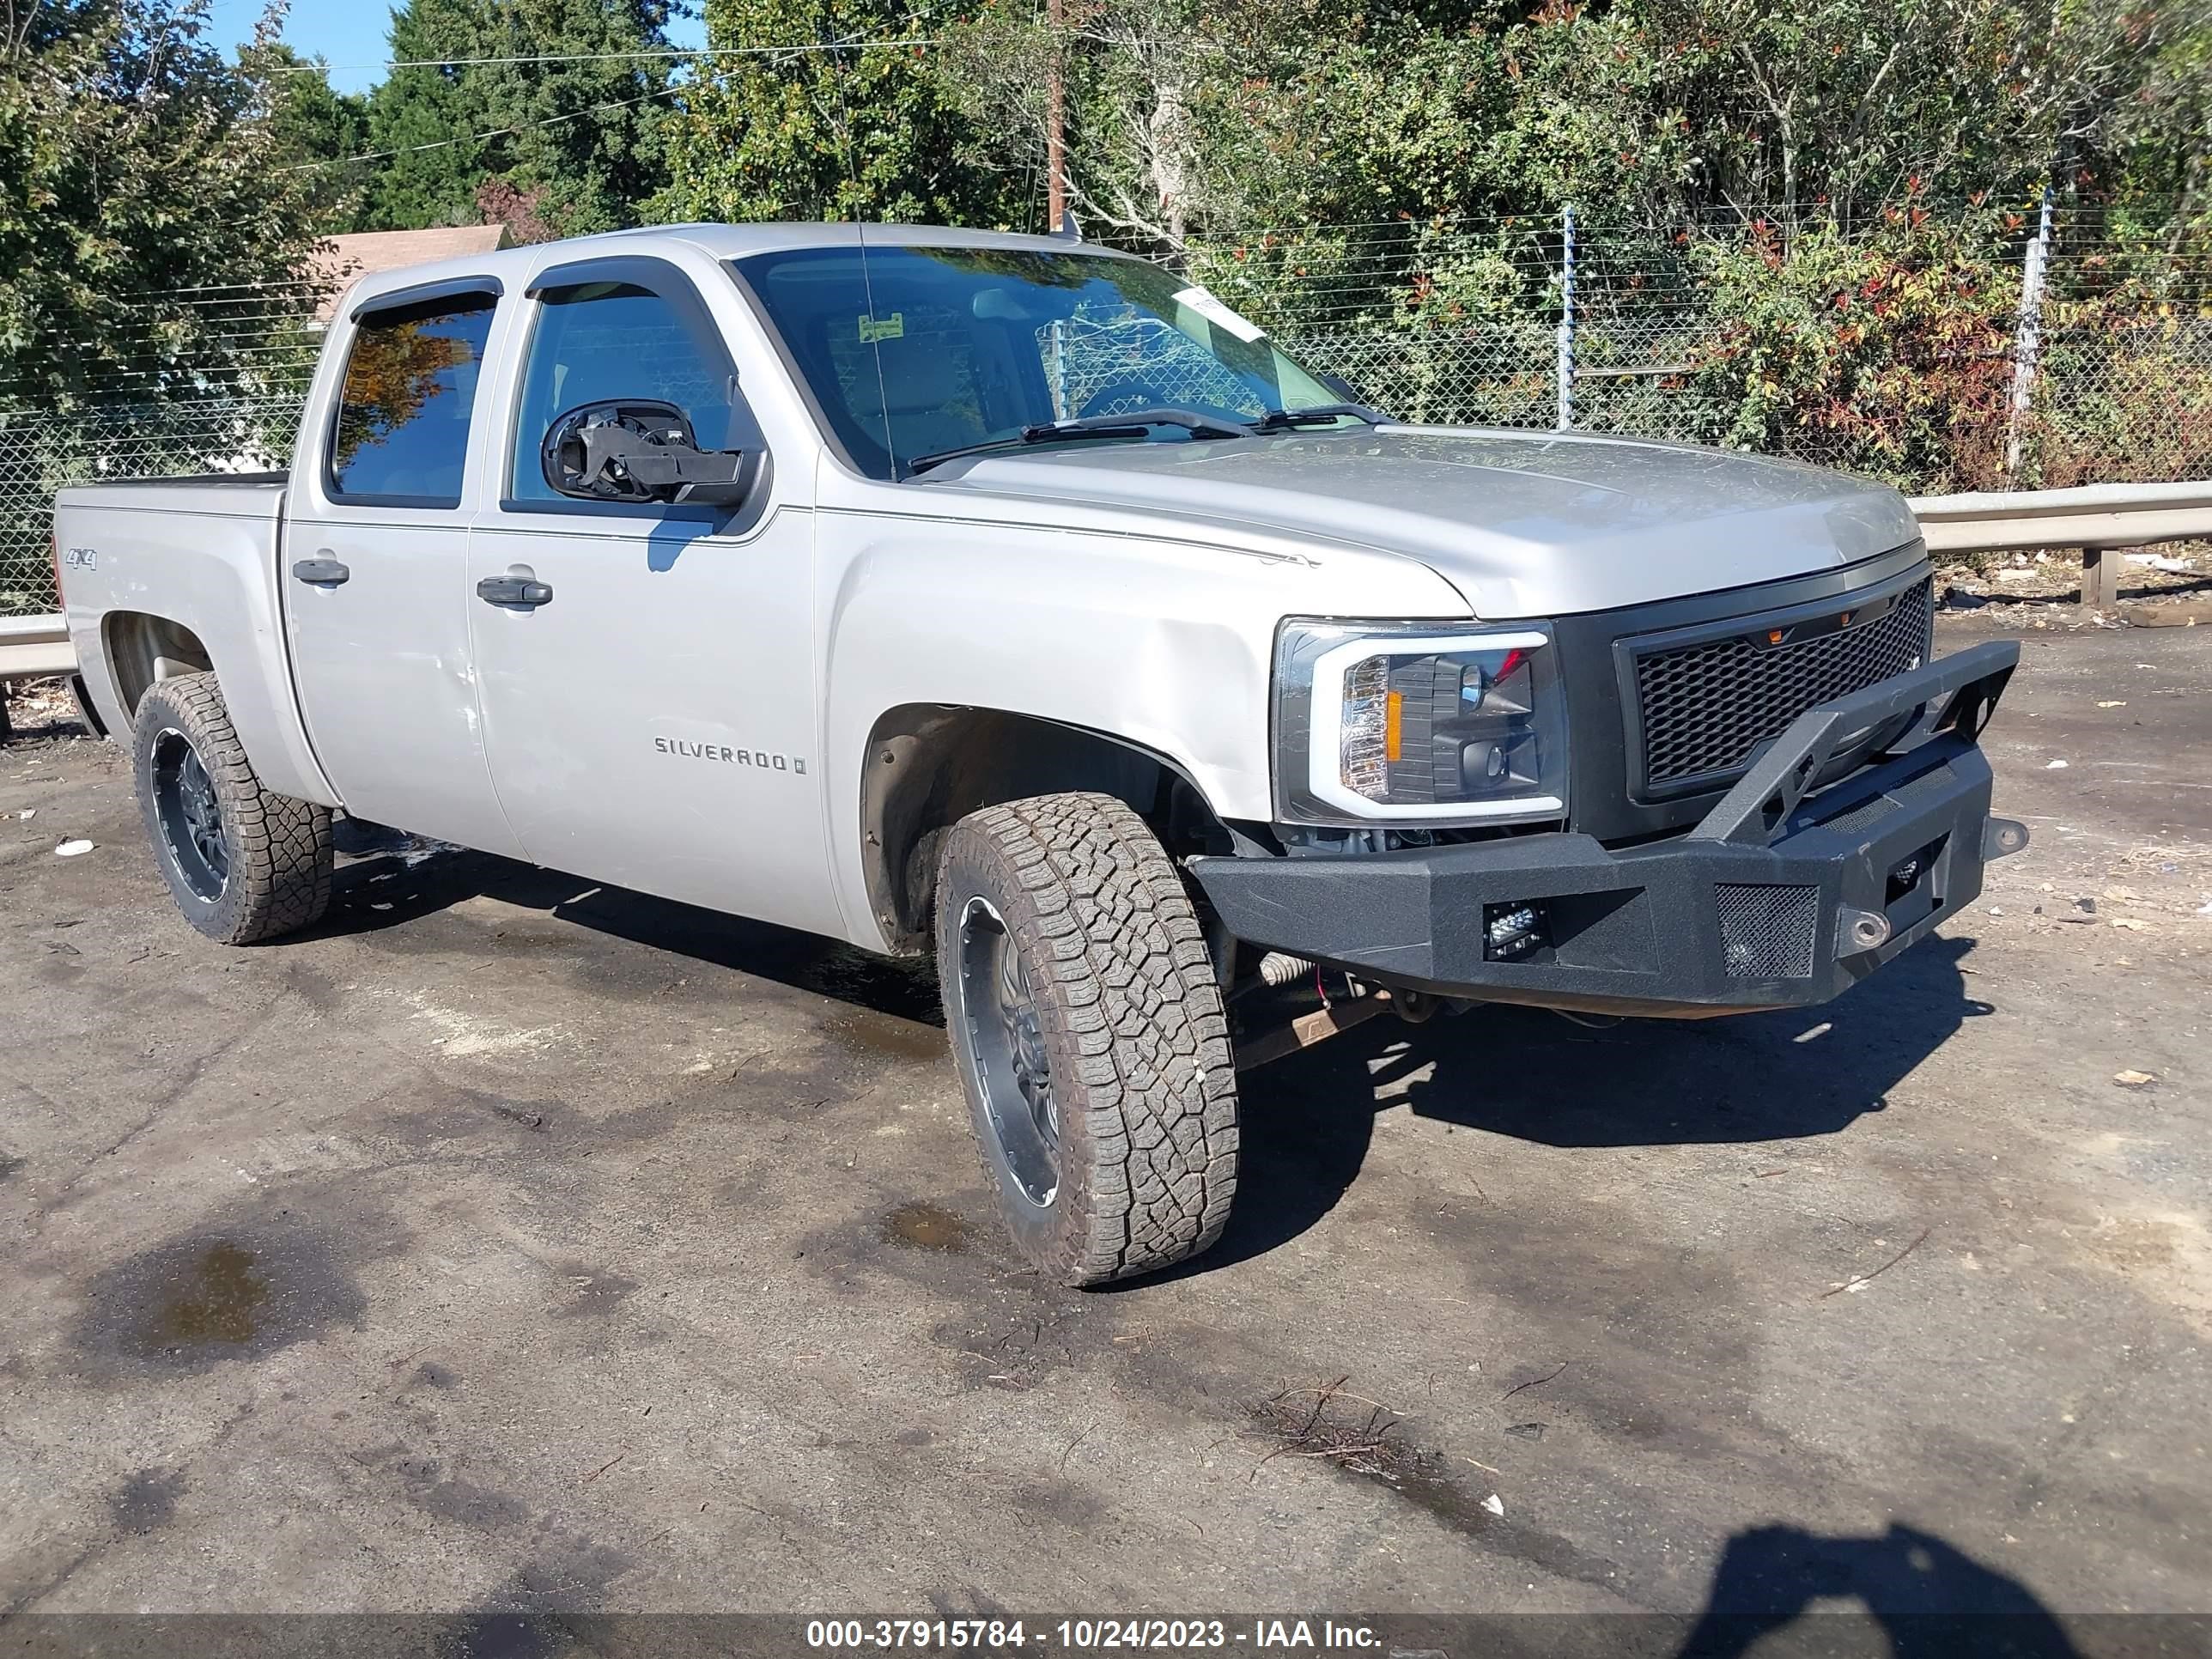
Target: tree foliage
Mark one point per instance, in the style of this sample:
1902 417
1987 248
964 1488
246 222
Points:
320 128
799 119
135 165
1189 118
575 133
1397 167
1890 348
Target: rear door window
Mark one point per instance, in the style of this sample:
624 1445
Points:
402 431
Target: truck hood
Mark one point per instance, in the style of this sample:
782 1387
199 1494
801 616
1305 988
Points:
1523 524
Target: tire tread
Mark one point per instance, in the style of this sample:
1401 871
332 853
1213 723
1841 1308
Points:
281 847
1136 993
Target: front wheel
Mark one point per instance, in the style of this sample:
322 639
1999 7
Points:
1093 1047
243 863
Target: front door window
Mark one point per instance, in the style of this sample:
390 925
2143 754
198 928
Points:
612 342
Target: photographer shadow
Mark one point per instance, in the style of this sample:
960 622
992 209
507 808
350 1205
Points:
1929 1598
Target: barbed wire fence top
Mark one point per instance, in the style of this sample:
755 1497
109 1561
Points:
1752 331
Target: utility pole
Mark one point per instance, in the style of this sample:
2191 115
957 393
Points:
2029 345
1566 336
1055 139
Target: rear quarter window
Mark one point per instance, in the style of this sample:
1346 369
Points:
402 431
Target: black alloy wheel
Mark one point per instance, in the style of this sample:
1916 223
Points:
191 816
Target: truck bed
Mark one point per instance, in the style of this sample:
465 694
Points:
203 555
207 492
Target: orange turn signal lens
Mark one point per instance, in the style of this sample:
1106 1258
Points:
1393 718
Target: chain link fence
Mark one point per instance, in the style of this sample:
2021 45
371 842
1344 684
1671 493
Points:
2123 401
42 452
1459 324
1666 337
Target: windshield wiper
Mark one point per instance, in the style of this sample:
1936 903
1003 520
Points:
1134 424
1284 420
1198 425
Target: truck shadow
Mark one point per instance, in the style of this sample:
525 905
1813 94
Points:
1308 1119
1536 1076
392 881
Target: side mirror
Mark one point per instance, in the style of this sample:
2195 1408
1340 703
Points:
641 451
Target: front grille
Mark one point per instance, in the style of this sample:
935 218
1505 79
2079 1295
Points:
1708 706
1766 933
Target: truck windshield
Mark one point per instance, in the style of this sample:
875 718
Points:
914 351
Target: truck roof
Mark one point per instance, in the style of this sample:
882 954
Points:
520 265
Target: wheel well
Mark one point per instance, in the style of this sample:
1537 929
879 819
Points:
928 765
142 648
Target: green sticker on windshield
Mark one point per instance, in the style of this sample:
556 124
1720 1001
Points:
887 328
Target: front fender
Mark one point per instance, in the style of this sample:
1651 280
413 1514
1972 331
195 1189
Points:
1165 646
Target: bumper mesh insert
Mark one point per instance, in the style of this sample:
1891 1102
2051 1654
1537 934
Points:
1766 933
1707 706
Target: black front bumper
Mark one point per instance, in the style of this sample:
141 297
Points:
1777 898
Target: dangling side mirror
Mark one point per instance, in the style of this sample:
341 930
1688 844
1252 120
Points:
641 450
1343 388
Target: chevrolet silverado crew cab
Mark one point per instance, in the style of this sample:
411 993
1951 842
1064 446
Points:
1018 601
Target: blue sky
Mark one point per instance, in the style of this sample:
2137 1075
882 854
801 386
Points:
351 35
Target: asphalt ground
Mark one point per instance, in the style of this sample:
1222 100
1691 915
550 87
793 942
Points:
513 1246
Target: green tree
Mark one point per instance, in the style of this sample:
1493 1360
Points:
1186 118
840 119
1832 109
316 128
575 132
140 179
1140 79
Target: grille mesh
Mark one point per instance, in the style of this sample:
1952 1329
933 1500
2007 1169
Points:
1706 706
1903 796
1766 933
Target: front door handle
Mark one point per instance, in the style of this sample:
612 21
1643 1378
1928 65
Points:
515 592
320 573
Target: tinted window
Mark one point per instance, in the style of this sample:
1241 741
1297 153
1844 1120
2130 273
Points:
411 387
604 342
914 350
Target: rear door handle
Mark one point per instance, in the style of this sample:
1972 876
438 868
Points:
515 592
321 573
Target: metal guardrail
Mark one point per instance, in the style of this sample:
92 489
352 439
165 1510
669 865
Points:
2093 517
33 647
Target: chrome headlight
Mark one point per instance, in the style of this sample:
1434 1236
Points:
1383 723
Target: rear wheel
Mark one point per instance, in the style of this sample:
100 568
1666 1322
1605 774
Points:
244 864
1082 1008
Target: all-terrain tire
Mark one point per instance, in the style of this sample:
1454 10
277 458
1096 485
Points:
1131 1024
277 849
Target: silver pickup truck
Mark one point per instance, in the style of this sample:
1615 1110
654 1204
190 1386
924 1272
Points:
1019 601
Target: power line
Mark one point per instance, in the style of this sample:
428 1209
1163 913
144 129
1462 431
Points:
850 43
478 137
318 67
